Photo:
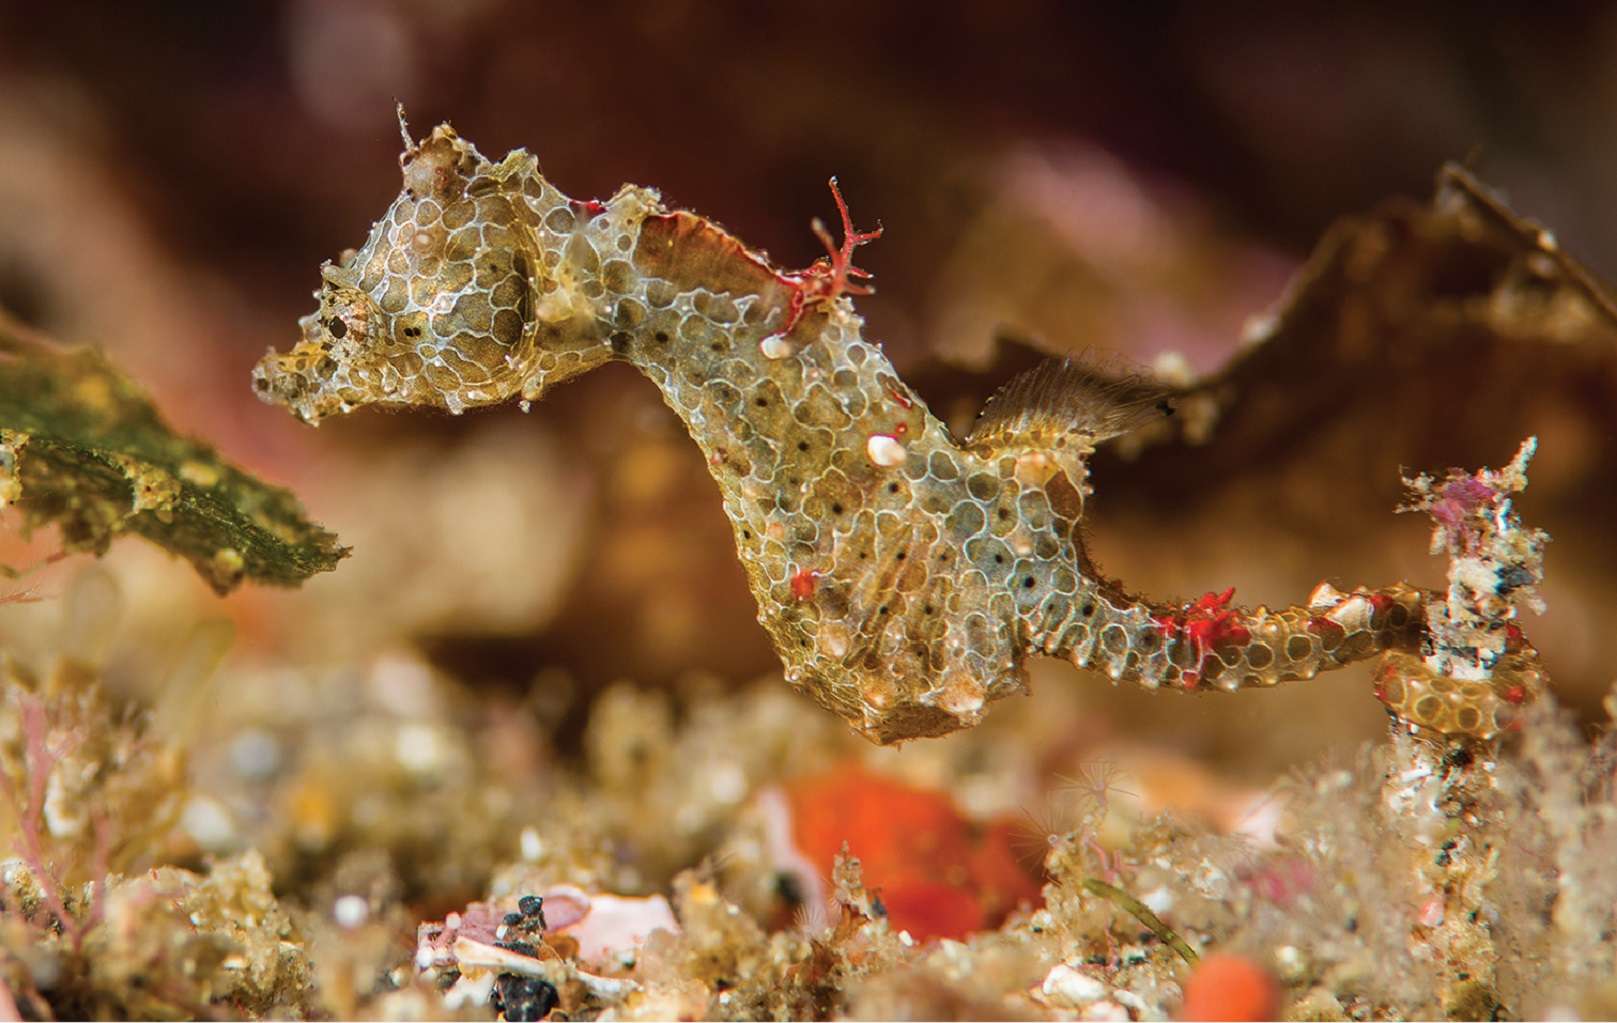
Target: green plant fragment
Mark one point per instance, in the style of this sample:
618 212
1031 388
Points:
1141 912
82 446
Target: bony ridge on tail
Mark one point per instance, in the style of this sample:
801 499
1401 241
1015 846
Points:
904 575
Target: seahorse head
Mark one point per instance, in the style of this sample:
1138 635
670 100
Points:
438 307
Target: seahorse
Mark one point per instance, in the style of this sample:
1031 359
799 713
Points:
905 575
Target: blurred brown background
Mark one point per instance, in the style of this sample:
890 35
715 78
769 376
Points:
1135 180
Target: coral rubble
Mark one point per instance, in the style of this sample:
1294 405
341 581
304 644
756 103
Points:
709 856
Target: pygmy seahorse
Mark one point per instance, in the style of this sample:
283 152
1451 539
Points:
903 574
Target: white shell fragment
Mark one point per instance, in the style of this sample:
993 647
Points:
1067 987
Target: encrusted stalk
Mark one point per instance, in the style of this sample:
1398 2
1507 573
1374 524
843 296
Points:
1451 709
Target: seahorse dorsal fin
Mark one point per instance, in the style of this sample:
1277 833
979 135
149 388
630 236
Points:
1068 402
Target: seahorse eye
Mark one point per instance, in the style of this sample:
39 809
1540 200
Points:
450 301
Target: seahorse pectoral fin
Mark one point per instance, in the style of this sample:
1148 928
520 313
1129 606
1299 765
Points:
1068 403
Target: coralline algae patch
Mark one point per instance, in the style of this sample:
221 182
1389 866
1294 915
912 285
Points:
938 874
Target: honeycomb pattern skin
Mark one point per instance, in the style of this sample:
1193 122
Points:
903 575
1441 707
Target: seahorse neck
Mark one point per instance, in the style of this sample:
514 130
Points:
704 318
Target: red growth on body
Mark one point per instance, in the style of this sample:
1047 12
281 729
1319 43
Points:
1324 628
832 274
803 582
1207 623
1379 604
